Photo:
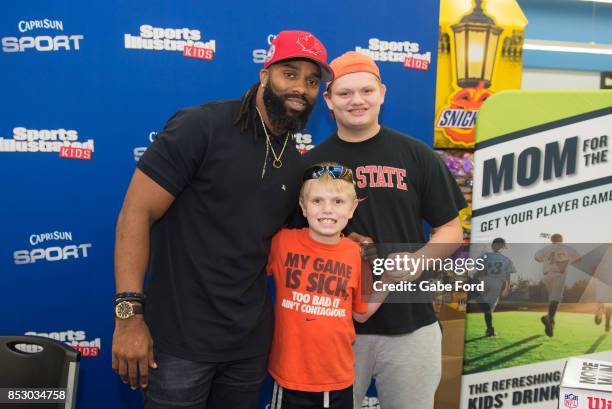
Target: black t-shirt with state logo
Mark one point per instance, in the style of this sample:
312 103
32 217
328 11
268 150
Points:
207 297
400 182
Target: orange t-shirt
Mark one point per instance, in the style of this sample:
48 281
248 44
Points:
318 286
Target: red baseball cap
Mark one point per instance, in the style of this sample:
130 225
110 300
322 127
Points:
299 44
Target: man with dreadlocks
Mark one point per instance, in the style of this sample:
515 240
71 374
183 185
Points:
203 204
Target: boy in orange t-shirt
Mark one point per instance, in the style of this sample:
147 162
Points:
318 293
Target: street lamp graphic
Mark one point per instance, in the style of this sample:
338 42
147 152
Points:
476 40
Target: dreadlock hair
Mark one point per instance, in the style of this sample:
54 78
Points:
244 116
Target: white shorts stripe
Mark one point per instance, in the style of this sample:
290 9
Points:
274 391
280 397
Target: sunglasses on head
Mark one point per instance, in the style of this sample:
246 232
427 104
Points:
334 171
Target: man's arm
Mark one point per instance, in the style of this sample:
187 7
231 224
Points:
574 256
144 203
368 248
506 288
449 233
444 241
540 254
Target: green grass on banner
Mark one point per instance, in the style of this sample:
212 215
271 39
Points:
520 339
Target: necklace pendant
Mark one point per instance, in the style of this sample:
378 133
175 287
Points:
277 163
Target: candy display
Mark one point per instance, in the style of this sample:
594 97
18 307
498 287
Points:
461 165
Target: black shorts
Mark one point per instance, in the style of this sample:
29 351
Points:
289 399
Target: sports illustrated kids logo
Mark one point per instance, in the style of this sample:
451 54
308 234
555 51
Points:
303 142
260 54
76 339
63 141
408 53
50 247
140 150
50 41
188 41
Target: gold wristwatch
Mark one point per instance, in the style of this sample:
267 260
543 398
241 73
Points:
127 309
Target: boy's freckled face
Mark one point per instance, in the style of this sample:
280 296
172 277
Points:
327 211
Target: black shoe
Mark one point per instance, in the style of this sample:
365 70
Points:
549 323
490 332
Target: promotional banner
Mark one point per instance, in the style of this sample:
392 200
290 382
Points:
88 86
479 53
543 185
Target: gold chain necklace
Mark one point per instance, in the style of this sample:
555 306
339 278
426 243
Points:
277 162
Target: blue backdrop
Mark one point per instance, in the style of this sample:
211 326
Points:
70 77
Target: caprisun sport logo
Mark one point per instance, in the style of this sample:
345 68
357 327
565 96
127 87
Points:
45 43
260 54
185 40
63 141
76 339
570 401
42 251
370 403
140 150
408 53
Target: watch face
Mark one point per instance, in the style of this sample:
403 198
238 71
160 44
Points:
124 310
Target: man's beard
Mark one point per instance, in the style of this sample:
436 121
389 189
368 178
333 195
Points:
278 112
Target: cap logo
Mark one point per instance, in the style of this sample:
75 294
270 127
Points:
309 44
270 53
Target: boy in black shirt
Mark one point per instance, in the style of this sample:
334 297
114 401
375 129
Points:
400 183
